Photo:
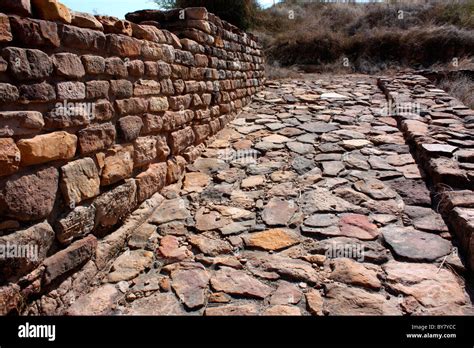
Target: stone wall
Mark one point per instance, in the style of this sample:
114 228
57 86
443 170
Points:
96 116
441 134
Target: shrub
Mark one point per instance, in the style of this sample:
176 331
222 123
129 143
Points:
238 12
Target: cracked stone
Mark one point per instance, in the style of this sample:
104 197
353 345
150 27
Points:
414 245
278 212
352 272
190 282
274 239
237 282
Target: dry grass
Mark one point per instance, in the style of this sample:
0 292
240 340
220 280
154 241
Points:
460 87
371 36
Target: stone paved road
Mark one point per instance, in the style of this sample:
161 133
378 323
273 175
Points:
309 203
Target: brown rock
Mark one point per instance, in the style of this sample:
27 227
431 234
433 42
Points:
9 156
123 46
199 13
132 106
237 282
85 20
286 293
14 123
181 139
129 265
38 92
95 138
279 211
66 115
97 89
151 181
228 310
28 64
210 246
19 7
115 25
358 226
103 110
68 65
353 301
157 304
274 239
115 66
428 284
52 10
190 282
71 90
10 299
147 87
94 65
68 259
5 29
196 182
35 33
118 164
40 237
79 181
171 251
130 127
114 205
176 167
78 223
31 195
99 302
145 151
209 221
136 68
47 147
152 123
284 266
314 302
84 39
282 310
121 88
158 104
8 93
351 272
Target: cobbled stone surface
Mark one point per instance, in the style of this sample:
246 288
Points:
319 212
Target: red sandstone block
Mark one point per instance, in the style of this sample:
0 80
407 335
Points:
68 65
69 259
181 139
113 25
83 39
34 32
5 29
115 67
9 156
123 46
132 106
96 138
94 65
151 181
18 7
34 203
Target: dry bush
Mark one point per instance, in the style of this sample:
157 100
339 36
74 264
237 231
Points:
371 35
461 87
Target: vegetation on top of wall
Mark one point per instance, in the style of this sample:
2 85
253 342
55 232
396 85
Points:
241 13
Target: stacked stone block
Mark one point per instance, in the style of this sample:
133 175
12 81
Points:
441 134
98 114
